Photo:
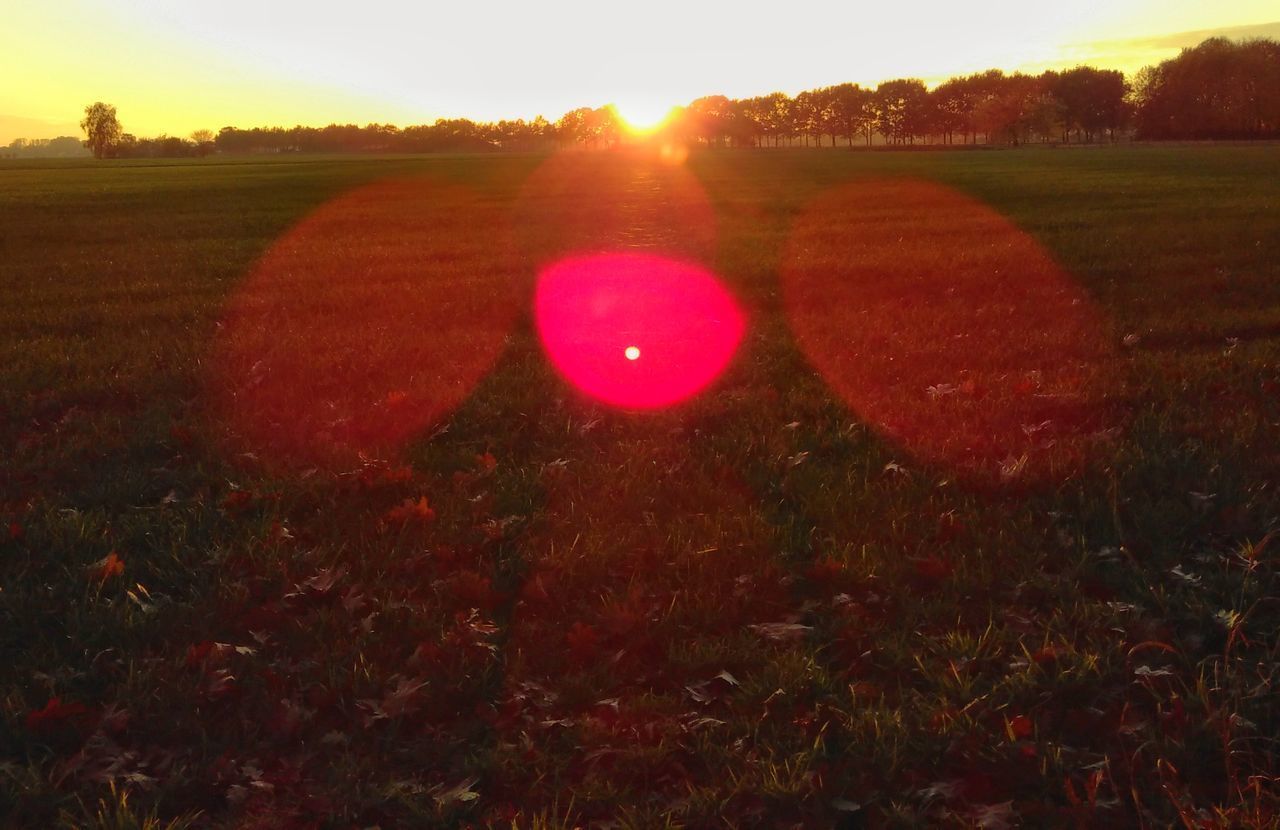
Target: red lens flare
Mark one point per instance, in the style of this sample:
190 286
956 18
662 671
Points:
637 331
948 328
369 320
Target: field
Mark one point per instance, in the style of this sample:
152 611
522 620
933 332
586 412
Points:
408 576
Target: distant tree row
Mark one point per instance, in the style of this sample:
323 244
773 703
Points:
446 135
1219 89
61 147
1083 104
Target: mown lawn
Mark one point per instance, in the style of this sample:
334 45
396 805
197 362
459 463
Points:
397 572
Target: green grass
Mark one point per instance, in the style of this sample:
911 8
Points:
570 639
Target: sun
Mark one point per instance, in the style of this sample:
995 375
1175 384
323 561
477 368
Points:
640 116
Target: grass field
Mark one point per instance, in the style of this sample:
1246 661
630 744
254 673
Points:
772 605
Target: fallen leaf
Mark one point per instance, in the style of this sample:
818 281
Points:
941 390
994 816
781 632
107 567
411 511
458 792
54 714
728 678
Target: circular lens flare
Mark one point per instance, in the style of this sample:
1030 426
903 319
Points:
368 321
592 310
950 329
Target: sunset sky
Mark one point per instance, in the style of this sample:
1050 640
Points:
174 67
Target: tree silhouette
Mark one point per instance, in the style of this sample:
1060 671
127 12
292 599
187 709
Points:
902 109
1093 100
1219 89
101 128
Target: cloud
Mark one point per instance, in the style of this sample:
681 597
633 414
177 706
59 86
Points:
1132 53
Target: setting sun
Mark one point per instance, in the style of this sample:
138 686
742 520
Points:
642 117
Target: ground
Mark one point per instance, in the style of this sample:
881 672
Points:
301 528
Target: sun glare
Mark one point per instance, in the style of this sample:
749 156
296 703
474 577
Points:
642 117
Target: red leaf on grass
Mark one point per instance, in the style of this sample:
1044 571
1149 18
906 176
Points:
54 714
106 567
397 475
325 580
411 511
218 684
474 590
15 531
237 500
1020 726
401 701
208 655
1046 655
486 462
535 590
825 570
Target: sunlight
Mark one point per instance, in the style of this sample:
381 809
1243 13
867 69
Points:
642 117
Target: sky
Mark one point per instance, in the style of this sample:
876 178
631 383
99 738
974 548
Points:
174 66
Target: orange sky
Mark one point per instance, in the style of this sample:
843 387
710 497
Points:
173 66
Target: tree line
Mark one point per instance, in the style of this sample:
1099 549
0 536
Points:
64 146
1220 89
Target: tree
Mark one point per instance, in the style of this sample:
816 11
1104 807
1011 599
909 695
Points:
953 103
709 118
1092 99
101 128
902 109
851 110
1219 89
203 139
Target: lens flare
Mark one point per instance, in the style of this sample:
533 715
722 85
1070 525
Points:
948 328
366 322
591 311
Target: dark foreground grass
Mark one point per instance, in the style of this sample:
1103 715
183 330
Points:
751 610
